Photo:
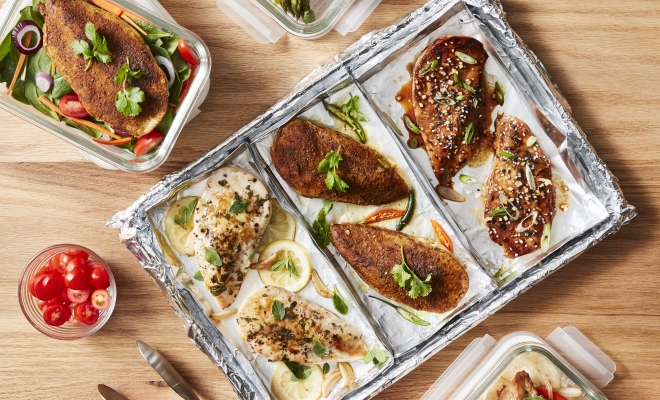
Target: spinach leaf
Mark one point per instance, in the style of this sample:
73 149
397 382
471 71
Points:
4 47
166 123
60 87
91 132
18 93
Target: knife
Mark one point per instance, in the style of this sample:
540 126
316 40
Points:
108 393
166 371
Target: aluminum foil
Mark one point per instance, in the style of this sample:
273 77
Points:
355 66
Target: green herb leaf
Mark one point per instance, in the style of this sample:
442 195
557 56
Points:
376 355
198 276
216 290
467 179
339 303
127 101
430 66
407 279
469 131
81 47
320 227
351 109
186 213
300 372
508 155
278 310
212 257
286 263
498 212
126 74
326 368
319 349
239 206
329 165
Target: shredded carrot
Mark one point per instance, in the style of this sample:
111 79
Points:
121 13
114 142
442 235
21 60
90 124
130 21
52 68
134 16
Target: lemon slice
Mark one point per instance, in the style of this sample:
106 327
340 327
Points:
282 225
285 389
287 249
178 235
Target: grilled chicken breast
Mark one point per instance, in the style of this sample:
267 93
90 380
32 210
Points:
373 252
449 114
299 147
230 219
65 23
520 388
518 206
293 337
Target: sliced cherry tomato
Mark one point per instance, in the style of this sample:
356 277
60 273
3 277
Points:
147 143
98 277
65 259
54 264
76 279
56 313
187 54
41 304
65 295
41 271
78 253
86 313
77 296
59 299
75 263
47 286
100 299
544 392
71 106
72 318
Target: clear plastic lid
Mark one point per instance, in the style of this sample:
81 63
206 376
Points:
566 361
266 21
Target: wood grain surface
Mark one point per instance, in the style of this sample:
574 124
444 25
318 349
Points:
602 53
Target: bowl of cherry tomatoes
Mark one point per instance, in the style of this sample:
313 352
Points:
67 292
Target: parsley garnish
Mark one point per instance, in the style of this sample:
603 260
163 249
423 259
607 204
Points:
300 372
286 263
186 213
239 206
407 279
212 257
329 165
339 303
198 276
376 355
98 50
127 101
278 310
319 349
320 227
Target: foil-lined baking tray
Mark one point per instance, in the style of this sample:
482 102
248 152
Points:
362 70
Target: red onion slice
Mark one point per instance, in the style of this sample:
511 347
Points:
44 81
20 30
122 133
160 60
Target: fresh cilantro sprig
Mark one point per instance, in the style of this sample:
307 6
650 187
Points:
128 101
350 108
320 227
407 279
186 213
329 165
287 264
98 50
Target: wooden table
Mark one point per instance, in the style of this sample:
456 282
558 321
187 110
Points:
602 53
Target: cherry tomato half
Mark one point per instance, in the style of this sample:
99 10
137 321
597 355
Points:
54 264
56 313
187 54
76 279
71 106
75 263
47 286
72 318
98 277
65 259
100 299
77 296
85 313
41 271
147 143
41 304
65 296
78 253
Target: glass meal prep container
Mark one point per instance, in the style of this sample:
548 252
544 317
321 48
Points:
566 361
113 156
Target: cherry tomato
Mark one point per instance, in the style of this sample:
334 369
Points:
187 54
56 313
41 271
75 263
100 299
71 106
98 277
76 279
147 143
65 259
86 313
72 318
544 392
77 296
41 304
64 294
78 253
54 264
57 299
47 286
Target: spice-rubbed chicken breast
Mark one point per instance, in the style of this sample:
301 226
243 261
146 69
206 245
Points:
519 194
373 252
64 24
299 147
449 113
230 220
292 338
520 388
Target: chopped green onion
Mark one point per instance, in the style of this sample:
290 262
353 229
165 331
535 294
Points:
498 212
530 177
468 59
430 66
444 100
384 163
467 179
413 143
469 131
499 94
531 140
461 97
545 239
475 103
521 226
410 125
508 155
505 267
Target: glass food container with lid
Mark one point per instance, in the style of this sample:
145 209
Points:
566 365
115 157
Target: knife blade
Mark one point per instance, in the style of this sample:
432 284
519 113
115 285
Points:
166 371
108 393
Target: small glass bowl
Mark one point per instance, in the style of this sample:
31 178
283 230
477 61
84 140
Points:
31 311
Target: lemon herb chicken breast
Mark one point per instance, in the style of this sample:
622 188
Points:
292 337
230 220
